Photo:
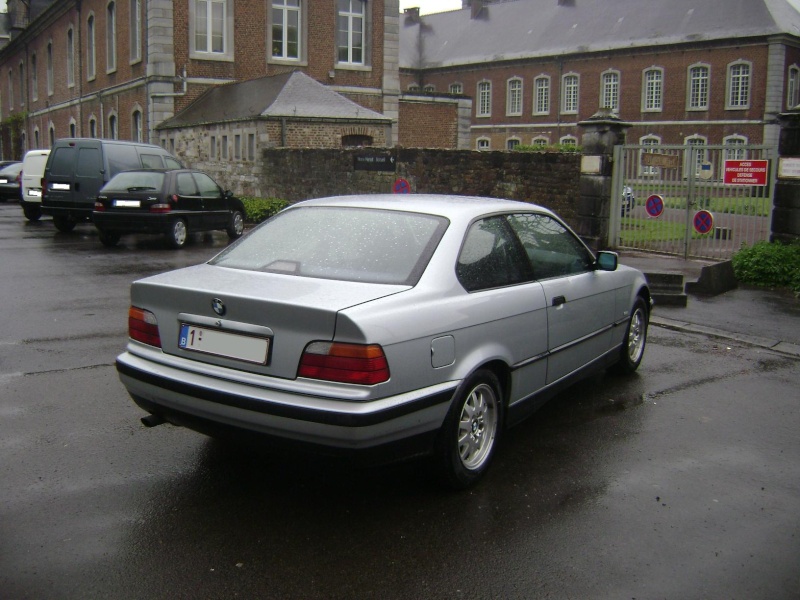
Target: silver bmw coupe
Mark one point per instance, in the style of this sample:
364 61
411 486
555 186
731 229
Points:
389 324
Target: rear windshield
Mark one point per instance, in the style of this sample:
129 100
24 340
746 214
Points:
135 181
349 244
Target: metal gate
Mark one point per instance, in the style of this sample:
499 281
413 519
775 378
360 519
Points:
695 201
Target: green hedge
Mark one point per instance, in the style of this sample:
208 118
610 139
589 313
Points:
769 265
261 209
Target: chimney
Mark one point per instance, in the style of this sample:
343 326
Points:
412 15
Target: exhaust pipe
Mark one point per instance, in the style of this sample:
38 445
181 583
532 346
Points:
153 420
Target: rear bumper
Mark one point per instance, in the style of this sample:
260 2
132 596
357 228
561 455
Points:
334 426
133 222
75 213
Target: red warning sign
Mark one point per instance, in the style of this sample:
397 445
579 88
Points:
746 172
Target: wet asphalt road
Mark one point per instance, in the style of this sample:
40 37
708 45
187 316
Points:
681 482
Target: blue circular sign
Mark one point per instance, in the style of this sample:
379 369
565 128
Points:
654 205
703 221
401 186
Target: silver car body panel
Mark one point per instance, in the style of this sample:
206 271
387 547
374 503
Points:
434 334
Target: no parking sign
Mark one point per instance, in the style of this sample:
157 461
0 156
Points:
703 221
401 186
654 205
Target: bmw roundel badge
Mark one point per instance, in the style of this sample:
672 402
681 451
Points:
218 306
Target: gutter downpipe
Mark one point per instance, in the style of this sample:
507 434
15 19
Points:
152 96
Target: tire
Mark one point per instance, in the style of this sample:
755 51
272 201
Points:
108 238
64 224
178 233
32 213
471 430
632 351
235 227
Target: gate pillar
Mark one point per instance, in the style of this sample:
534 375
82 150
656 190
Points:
600 133
786 202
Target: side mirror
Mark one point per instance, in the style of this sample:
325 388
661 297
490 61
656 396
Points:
227 194
606 261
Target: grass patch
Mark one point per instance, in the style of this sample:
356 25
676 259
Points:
257 210
637 232
709 200
769 264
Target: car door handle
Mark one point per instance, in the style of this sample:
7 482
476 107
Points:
559 300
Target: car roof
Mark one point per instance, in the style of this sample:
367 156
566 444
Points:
445 205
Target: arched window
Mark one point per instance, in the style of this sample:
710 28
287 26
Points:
653 89
90 48
793 88
136 126
609 92
514 97
699 81
541 95
484 99
112 127
739 85
356 141
570 87
111 36
483 144
735 147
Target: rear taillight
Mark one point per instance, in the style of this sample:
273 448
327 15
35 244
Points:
99 206
143 327
160 208
345 363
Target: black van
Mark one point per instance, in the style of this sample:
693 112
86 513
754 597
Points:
78 167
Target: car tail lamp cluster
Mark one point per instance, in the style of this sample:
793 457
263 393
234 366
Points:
160 208
344 363
143 327
99 206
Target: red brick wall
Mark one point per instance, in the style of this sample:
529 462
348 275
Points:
428 125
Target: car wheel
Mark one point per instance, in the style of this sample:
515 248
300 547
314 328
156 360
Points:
64 224
109 238
236 225
632 351
32 213
178 233
468 438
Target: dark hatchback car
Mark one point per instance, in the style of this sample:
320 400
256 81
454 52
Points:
172 203
9 181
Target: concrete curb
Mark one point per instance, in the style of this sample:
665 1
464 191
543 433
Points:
785 348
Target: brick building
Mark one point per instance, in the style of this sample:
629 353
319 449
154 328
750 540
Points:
680 71
119 68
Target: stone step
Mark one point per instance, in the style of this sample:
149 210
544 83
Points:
667 289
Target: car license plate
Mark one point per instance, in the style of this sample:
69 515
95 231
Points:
127 203
37 193
60 186
3 180
221 343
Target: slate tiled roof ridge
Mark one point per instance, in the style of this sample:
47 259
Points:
519 29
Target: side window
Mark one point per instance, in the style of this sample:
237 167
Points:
151 161
490 257
552 249
186 185
207 187
89 162
172 163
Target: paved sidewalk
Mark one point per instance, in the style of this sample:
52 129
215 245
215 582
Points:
757 316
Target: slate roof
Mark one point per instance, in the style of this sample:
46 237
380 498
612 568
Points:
538 28
291 95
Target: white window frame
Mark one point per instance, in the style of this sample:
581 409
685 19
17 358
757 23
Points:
135 13
733 150
610 82
203 9
739 85
653 89
91 47
483 106
483 144
137 124
540 140
286 9
541 95
456 88
34 78
514 93
568 140
351 15
70 57
570 93
793 87
111 37
113 126
50 78
698 90
648 140
413 87
429 88
512 142
701 157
